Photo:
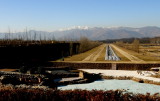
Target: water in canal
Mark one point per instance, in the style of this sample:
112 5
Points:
129 85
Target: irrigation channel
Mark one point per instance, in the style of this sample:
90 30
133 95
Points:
126 85
110 54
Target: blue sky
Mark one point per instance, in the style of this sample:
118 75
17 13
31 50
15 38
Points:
50 15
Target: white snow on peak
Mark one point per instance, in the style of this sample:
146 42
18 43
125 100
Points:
74 27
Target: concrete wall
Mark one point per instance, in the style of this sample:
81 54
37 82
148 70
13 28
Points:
114 66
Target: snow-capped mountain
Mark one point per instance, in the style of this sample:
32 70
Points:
93 33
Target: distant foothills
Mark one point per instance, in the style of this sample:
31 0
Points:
94 33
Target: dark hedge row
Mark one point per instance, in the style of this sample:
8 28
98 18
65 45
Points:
75 95
19 52
36 53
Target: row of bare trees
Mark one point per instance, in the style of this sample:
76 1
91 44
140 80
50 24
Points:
155 40
134 46
34 37
27 37
86 44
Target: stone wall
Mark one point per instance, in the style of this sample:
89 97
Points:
115 66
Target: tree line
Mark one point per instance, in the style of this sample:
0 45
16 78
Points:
135 45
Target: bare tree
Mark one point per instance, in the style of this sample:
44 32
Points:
136 45
86 44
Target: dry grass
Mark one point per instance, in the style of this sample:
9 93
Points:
80 57
123 58
152 51
102 55
140 55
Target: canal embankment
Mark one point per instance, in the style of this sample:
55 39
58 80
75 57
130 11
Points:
139 76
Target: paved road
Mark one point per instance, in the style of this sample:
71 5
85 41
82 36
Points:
93 56
127 55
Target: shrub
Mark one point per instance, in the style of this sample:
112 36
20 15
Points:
23 69
75 95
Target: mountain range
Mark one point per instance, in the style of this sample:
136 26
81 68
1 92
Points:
94 33
99 33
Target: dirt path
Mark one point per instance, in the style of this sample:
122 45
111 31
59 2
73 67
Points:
127 55
93 56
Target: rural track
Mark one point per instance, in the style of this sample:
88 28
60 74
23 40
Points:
132 58
93 56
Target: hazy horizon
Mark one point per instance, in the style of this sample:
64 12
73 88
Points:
10 30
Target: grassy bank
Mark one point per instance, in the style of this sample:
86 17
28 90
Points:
142 54
80 57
